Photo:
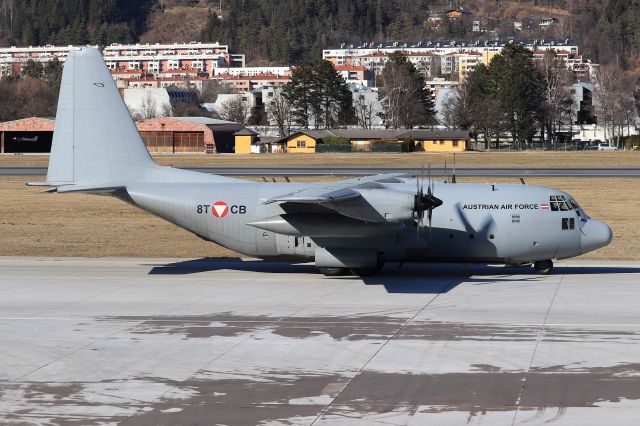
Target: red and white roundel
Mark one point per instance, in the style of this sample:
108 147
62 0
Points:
220 209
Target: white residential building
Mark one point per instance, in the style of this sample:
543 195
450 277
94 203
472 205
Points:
253 71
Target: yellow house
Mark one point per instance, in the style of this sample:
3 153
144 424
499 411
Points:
304 142
244 139
439 141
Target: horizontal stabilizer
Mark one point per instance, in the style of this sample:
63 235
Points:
89 189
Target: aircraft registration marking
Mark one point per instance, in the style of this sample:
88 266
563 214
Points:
220 209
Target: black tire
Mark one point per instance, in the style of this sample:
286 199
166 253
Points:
333 272
543 267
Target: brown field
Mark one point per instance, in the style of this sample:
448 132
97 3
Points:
588 159
36 224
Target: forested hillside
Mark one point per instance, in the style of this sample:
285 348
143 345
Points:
295 31
39 22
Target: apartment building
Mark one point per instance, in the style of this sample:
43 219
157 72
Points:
13 59
253 71
151 58
345 54
356 75
157 58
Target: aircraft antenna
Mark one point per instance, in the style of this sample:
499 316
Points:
453 177
446 176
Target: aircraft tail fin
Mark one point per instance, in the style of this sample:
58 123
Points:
95 141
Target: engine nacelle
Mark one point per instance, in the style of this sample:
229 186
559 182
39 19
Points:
378 205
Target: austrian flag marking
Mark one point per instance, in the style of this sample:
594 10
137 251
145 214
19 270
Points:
220 209
544 206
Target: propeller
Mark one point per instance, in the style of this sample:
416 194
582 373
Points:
425 202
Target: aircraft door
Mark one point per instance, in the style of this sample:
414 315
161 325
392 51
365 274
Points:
294 246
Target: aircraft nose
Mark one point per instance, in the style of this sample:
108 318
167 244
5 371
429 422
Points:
596 234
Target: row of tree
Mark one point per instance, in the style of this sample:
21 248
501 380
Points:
516 96
318 98
33 95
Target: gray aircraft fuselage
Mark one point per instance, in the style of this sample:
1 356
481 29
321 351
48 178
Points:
475 223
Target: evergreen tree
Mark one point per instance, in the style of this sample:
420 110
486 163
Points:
318 96
518 90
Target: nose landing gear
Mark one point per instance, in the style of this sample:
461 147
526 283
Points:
543 267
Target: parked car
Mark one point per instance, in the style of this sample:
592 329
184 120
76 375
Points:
606 147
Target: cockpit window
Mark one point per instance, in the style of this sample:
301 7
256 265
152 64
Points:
560 203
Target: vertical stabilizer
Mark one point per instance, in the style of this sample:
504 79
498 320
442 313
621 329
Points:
95 140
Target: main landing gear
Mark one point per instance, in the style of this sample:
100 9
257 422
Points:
359 272
543 267
334 272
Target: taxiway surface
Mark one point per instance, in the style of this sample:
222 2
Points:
153 342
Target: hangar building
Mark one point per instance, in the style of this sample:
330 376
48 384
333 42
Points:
27 135
161 135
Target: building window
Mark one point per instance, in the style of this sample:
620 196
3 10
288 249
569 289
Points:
301 144
455 143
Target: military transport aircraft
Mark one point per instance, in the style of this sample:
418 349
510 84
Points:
350 226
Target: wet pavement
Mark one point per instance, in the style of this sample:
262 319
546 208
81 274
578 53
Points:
168 342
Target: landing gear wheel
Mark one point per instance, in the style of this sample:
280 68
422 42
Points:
333 272
543 267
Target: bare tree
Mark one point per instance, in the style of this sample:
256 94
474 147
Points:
234 109
213 89
401 95
556 87
457 108
279 112
470 107
615 108
148 108
364 112
8 12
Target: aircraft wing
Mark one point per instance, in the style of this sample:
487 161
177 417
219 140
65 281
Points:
366 199
339 191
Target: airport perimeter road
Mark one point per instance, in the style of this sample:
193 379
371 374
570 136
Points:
361 171
150 342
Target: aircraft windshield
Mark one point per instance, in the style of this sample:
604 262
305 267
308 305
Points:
560 203
563 203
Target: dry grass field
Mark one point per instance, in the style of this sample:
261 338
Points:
588 159
37 224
